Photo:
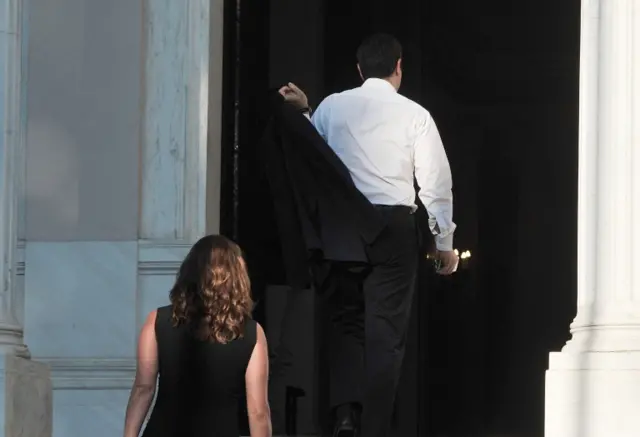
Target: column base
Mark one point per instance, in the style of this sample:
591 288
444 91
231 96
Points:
25 398
12 341
595 394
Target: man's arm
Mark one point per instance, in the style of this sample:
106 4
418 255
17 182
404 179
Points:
318 119
433 174
296 97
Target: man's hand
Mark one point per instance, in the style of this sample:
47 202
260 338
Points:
449 262
294 95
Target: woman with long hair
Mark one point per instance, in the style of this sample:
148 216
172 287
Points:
204 351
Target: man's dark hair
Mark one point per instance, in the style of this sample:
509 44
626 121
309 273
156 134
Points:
378 56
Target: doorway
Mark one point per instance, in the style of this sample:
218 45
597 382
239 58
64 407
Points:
501 80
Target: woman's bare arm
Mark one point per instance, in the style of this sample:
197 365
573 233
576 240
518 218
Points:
257 380
144 386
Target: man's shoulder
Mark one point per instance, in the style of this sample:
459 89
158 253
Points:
337 96
409 107
326 102
413 106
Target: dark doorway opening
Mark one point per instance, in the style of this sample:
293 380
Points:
501 80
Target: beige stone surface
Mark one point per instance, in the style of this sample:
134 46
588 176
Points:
27 398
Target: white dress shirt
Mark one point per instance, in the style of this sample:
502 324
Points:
385 139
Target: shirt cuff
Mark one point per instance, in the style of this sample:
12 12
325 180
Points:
444 244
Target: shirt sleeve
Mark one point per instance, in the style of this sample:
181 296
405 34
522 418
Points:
433 175
318 118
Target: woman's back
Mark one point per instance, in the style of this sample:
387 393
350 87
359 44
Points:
200 382
202 353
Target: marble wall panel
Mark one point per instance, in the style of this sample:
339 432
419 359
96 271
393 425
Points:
80 299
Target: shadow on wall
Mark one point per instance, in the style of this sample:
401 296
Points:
52 186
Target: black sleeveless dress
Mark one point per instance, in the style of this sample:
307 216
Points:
200 383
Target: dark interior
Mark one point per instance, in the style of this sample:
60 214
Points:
500 78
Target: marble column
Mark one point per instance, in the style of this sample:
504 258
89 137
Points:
180 157
25 385
174 155
118 161
593 385
12 172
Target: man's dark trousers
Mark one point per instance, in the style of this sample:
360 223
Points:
370 309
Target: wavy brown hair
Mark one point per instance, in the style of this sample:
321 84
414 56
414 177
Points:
212 293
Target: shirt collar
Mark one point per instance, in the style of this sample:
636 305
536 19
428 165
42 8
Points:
378 83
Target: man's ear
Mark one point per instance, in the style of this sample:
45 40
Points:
360 72
399 67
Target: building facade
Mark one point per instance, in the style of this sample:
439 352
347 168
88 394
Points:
110 140
106 162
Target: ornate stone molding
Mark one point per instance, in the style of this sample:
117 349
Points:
20 265
90 373
161 257
158 268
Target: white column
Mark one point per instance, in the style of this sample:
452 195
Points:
25 385
593 385
116 176
180 157
174 155
12 170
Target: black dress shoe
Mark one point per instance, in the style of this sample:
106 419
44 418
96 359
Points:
346 425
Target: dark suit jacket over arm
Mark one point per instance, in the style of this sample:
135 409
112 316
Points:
319 211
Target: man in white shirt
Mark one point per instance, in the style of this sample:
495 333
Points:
385 140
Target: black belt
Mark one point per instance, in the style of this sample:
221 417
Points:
408 209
